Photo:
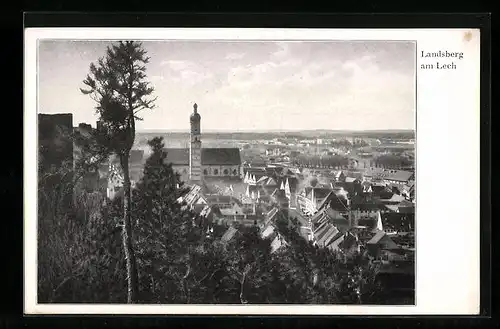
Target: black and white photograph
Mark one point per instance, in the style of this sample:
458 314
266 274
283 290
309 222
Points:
227 172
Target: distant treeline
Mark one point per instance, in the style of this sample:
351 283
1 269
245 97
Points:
392 161
287 135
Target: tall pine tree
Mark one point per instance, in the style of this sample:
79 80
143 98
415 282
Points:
120 90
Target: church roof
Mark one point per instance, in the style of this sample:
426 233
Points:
177 156
209 156
220 156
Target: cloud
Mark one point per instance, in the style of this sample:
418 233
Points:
177 65
154 78
232 56
184 72
194 77
328 93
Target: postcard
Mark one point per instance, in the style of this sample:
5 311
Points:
251 171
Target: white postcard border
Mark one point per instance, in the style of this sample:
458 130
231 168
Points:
447 175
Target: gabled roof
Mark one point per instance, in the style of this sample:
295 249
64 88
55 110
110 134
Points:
279 195
262 180
323 229
391 207
334 201
267 232
271 181
272 213
229 234
191 196
277 243
335 242
220 156
382 239
350 179
330 234
319 192
348 241
376 239
206 212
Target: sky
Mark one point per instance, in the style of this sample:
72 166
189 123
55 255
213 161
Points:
249 86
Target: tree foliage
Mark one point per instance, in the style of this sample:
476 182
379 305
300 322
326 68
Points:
79 254
119 87
392 161
178 262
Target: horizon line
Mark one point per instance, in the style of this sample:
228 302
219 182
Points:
277 130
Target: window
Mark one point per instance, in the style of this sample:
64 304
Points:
185 170
205 172
235 172
226 172
216 172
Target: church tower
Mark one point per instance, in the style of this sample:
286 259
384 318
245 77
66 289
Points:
195 146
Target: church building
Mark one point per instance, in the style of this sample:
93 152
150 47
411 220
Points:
195 162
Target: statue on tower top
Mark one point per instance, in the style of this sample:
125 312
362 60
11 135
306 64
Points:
195 106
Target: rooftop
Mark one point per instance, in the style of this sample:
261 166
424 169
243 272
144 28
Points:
229 234
209 156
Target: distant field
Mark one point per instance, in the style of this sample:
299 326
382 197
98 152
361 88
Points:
256 151
248 136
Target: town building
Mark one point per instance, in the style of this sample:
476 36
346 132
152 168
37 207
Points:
389 176
195 162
